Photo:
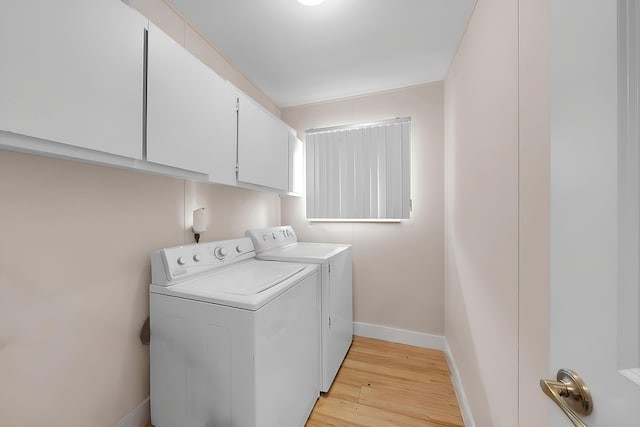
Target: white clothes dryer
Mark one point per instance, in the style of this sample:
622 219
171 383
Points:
234 340
336 283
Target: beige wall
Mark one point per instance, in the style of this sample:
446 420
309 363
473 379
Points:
398 268
175 25
74 276
534 210
497 210
481 233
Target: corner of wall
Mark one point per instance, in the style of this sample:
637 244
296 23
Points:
401 336
456 380
139 417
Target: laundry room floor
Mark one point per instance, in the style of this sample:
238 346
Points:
384 384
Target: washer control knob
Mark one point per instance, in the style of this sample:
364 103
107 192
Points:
273 235
182 261
197 258
238 249
220 252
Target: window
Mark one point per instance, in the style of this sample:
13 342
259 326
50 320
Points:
359 172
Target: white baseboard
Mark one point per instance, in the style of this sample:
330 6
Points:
465 408
139 417
401 336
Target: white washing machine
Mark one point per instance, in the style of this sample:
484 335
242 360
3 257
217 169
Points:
234 340
281 244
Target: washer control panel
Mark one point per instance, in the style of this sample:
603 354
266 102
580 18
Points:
180 262
265 239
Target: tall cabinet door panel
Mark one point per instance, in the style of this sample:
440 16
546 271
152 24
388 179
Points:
191 112
71 71
263 147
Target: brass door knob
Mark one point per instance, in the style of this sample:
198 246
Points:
571 394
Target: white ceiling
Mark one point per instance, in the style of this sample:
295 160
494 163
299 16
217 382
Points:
298 54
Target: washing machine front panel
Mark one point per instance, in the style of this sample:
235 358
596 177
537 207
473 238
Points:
201 363
213 365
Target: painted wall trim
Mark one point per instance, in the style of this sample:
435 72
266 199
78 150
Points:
401 336
456 380
139 417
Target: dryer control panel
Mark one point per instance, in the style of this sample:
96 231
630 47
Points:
180 262
265 239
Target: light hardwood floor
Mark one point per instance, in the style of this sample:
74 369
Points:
383 384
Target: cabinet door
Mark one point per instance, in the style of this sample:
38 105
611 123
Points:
296 165
263 147
72 72
191 112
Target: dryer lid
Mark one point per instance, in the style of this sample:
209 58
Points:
304 252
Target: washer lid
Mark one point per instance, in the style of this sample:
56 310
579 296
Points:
244 279
304 252
247 285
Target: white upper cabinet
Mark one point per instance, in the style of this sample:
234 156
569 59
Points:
71 71
191 112
296 166
263 147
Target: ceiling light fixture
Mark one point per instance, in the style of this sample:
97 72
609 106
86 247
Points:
310 2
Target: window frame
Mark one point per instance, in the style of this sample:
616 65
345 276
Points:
375 155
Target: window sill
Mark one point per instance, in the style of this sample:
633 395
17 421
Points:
383 220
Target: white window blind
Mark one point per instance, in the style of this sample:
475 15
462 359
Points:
359 171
